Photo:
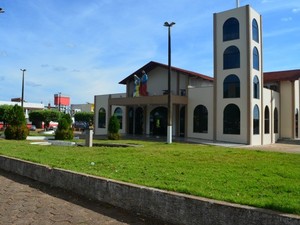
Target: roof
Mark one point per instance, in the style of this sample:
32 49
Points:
151 65
288 75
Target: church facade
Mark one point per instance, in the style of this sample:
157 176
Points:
241 104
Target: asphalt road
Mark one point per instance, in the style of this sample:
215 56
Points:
24 201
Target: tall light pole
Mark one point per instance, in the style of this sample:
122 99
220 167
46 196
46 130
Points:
22 98
170 112
59 96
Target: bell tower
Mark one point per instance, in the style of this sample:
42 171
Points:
238 76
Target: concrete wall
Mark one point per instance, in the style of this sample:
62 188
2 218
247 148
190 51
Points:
200 96
167 206
286 108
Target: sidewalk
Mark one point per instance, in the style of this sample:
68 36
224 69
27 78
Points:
24 201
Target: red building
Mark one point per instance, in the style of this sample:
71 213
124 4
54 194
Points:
61 101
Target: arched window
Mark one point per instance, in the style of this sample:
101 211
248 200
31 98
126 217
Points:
102 118
231 29
200 119
275 121
256 120
231 87
119 114
255 59
267 120
255 31
231 119
231 58
256 87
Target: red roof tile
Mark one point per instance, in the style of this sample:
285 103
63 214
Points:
289 75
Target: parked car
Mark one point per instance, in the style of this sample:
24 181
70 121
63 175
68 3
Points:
33 128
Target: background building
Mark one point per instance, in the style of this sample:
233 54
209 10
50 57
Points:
62 102
241 104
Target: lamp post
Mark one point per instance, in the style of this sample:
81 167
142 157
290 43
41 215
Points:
170 112
22 98
59 96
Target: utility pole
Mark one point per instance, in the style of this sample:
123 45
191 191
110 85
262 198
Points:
22 98
170 111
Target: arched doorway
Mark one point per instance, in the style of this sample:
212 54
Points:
135 120
139 120
130 120
182 122
158 121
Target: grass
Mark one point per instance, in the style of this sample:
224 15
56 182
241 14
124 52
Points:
262 179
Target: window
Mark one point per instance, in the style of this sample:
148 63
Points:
200 119
255 59
267 120
231 29
256 120
119 114
256 87
231 119
231 58
255 32
231 87
275 121
102 118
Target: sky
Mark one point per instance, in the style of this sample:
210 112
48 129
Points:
83 48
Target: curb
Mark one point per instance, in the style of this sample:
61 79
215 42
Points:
163 205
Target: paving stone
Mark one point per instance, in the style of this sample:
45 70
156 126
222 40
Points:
24 201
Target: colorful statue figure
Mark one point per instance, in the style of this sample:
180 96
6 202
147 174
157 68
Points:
143 87
136 92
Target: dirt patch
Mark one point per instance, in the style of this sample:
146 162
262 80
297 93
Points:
277 147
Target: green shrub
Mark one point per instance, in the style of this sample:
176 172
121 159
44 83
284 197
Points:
63 124
64 130
66 134
17 129
113 128
16 132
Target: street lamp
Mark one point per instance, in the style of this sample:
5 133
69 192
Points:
169 129
22 100
59 96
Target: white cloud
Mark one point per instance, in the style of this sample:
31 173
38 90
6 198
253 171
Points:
286 19
296 10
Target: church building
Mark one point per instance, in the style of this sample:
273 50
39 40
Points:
240 104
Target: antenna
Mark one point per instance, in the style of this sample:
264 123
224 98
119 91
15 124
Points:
237 3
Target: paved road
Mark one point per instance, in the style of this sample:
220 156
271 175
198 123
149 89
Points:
23 201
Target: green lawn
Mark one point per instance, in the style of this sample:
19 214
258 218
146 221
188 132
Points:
262 179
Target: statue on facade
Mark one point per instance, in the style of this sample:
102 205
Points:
137 81
143 84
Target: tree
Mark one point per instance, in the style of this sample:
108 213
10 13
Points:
84 119
113 128
37 118
46 116
4 109
87 117
17 128
51 115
